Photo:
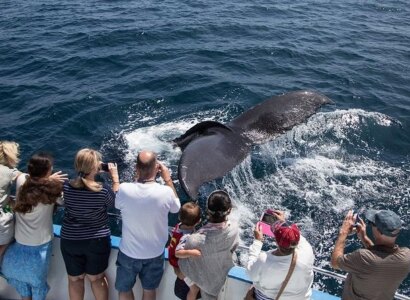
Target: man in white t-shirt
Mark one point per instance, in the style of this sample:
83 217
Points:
144 206
268 270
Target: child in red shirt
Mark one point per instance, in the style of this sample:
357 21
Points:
189 216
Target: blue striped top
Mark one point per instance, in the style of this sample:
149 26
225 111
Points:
85 215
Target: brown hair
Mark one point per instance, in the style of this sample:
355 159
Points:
38 188
219 206
9 152
86 161
190 214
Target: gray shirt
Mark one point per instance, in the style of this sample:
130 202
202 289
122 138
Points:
374 273
216 243
7 175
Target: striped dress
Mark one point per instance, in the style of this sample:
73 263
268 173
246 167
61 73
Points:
85 215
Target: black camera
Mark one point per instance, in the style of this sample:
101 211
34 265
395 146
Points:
104 167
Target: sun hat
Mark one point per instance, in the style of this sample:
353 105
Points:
386 221
287 235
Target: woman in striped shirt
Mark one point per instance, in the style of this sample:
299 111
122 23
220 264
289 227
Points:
85 234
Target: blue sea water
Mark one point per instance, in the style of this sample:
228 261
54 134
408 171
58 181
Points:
120 76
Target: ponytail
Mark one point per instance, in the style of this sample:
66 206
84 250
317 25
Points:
86 162
83 183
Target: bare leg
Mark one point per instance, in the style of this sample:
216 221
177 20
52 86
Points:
149 294
76 287
179 274
193 292
126 295
99 286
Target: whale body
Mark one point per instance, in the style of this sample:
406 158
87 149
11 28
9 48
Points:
212 149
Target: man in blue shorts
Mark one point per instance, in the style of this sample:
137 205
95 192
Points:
144 206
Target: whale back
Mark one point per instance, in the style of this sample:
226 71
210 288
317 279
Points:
280 113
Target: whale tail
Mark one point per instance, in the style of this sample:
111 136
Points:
211 149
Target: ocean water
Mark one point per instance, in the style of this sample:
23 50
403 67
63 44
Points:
120 76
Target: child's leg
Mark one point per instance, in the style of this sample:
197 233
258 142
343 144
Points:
179 274
193 292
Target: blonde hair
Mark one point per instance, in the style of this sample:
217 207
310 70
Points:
86 162
9 152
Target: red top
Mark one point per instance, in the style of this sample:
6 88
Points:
176 236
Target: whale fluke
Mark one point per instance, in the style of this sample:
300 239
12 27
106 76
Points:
211 149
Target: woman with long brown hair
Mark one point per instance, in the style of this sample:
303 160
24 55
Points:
26 261
85 234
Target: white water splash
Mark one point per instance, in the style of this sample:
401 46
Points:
314 172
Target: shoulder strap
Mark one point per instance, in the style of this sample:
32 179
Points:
291 268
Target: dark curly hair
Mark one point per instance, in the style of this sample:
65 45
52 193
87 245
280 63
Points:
38 188
219 206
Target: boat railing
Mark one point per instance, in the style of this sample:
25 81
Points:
332 274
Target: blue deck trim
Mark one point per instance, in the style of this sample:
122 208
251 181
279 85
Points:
318 295
57 230
237 273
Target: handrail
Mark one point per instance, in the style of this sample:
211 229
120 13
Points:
334 275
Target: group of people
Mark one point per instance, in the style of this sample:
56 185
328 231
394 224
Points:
201 258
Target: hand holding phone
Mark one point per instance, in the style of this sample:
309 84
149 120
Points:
257 232
357 222
104 167
266 221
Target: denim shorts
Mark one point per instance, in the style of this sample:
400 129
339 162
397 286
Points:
26 268
149 271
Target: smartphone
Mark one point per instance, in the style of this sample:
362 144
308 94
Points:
358 217
266 221
104 167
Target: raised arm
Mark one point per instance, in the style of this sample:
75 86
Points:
253 265
112 168
166 176
344 231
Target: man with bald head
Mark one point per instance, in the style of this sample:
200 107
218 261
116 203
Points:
376 271
144 206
